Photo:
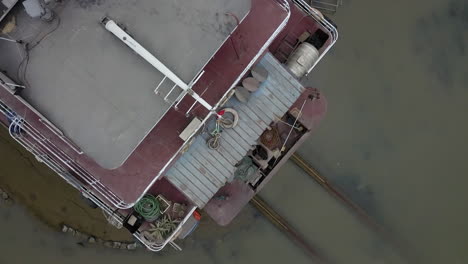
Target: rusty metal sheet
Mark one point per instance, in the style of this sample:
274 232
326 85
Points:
201 171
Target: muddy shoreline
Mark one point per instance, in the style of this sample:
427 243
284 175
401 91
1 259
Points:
45 195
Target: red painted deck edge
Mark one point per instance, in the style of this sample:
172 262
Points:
223 211
131 179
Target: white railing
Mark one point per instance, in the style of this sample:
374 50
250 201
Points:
48 160
47 152
50 125
317 16
285 5
27 137
10 86
169 240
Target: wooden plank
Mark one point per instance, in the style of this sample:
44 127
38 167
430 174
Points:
205 171
199 176
263 108
186 190
245 120
213 169
240 139
201 187
221 164
248 130
257 117
202 171
283 94
281 84
205 158
279 106
235 146
179 179
272 65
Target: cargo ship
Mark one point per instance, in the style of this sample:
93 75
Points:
160 112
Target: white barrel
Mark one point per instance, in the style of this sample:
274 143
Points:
302 59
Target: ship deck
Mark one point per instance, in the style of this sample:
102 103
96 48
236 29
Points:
93 87
200 172
107 90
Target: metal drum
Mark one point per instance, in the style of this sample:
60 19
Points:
302 59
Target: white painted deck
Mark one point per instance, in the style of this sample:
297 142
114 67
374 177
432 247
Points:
96 89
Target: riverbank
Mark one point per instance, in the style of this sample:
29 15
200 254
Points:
48 197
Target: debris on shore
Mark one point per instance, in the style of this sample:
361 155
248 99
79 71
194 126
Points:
5 198
89 239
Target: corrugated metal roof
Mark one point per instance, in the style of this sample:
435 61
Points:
201 171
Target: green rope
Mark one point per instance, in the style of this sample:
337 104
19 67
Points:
245 169
148 207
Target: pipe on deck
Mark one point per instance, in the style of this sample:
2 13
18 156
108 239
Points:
115 29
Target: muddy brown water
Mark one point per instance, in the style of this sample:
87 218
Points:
395 140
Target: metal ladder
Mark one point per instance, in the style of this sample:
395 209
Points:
286 46
176 88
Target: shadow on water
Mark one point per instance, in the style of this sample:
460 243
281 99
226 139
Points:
324 221
394 138
359 192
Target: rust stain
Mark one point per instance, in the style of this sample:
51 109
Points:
202 171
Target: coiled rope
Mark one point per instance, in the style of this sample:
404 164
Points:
148 207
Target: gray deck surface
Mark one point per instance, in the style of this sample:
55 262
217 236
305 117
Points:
98 91
200 172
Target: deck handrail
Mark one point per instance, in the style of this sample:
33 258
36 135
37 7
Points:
159 246
34 142
53 164
49 148
317 16
47 152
